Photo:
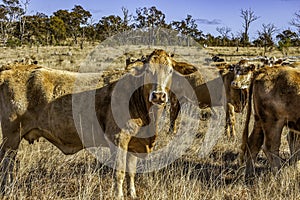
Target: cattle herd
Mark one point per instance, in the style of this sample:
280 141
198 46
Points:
39 102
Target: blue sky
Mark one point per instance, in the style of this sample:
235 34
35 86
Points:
210 14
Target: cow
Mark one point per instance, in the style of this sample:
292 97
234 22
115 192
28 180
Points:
36 103
216 92
217 59
276 96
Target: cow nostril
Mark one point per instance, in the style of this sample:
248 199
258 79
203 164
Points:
155 96
158 97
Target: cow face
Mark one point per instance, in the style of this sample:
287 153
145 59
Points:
242 75
157 70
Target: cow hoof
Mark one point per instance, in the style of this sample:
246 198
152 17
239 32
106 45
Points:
119 197
132 194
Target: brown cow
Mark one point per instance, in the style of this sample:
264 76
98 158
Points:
276 97
217 92
31 109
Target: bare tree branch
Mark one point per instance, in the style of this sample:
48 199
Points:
224 31
248 16
296 20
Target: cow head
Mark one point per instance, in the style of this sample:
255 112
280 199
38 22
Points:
235 96
157 70
243 72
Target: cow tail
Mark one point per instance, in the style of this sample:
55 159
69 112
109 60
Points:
246 128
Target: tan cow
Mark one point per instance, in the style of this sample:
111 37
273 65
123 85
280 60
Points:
276 97
31 109
217 92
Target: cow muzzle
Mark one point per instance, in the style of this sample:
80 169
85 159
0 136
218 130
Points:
158 97
236 85
239 85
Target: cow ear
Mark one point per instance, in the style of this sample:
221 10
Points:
184 68
226 68
137 70
222 70
134 64
230 67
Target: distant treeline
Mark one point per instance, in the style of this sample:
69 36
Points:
77 26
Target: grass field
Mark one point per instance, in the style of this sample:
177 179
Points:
43 172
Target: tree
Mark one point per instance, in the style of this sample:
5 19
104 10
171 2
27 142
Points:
109 26
296 21
248 16
112 25
235 39
126 20
224 32
79 19
23 18
150 20
188 28
74 21
37 29
58 29
90 30
11 12
286 39
266 36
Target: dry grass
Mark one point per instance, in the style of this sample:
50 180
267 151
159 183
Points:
43 172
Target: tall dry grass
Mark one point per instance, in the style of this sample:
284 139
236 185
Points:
43 172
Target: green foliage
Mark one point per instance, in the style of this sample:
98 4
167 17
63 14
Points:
188 28
149 18
109 26
76 26
58 29
287 39
13 43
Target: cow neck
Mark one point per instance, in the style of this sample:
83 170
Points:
139 105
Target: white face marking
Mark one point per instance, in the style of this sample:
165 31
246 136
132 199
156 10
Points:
159 73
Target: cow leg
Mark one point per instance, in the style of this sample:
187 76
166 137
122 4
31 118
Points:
272 141
119 152
294 145
131 169
230 121
254 144
174 111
